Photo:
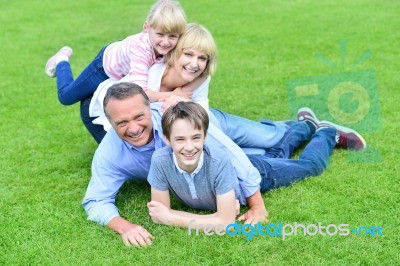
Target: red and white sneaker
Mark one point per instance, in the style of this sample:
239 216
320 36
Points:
346 138
50 68
306 114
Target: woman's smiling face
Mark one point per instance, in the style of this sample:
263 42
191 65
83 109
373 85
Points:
191 64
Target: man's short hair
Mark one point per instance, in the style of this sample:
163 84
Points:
191 111
123 90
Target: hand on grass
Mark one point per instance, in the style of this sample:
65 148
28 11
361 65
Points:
256 213
131 234
137 236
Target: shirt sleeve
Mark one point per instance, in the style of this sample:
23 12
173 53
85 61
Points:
200 94
141 59
226 179
99 200
157 177
249 177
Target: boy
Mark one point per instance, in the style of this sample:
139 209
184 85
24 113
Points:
200 177
203 178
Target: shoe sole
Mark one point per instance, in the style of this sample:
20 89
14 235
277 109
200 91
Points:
307 110
50 73
345 130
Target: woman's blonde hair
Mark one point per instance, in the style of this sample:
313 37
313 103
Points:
196 37
167 16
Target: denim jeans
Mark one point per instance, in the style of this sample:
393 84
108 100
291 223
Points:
97 131
251 136
71 91
277 170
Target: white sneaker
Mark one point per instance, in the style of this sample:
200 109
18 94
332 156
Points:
306 114
50 68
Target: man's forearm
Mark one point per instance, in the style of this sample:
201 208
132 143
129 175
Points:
255 199
119 224
257 212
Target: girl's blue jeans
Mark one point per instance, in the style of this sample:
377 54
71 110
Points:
71 91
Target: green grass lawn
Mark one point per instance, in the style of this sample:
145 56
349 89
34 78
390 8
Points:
45 152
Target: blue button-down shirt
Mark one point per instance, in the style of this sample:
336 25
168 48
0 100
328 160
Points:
116 161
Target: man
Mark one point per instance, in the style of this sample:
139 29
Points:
126 150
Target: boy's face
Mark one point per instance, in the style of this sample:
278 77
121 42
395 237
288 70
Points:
162 42
187 144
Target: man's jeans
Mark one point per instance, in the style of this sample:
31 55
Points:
97 131
277 170
71 91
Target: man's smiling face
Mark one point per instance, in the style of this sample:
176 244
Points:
131 119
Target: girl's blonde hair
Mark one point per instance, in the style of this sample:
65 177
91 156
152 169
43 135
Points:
196 37
167 16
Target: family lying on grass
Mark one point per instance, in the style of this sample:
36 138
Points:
163 131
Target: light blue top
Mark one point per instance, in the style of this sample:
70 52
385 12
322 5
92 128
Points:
115 161
214 175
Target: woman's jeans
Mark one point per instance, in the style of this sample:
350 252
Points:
71 91
251 136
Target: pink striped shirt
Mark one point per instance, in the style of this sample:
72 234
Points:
131 57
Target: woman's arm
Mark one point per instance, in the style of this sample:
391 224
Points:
200 91
160 212
199 88
195 83
161 96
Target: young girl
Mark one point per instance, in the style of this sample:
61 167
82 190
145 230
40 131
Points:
189 68
130 58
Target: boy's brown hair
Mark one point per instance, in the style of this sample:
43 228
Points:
193 112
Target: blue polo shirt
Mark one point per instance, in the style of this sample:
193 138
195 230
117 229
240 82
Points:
213 176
